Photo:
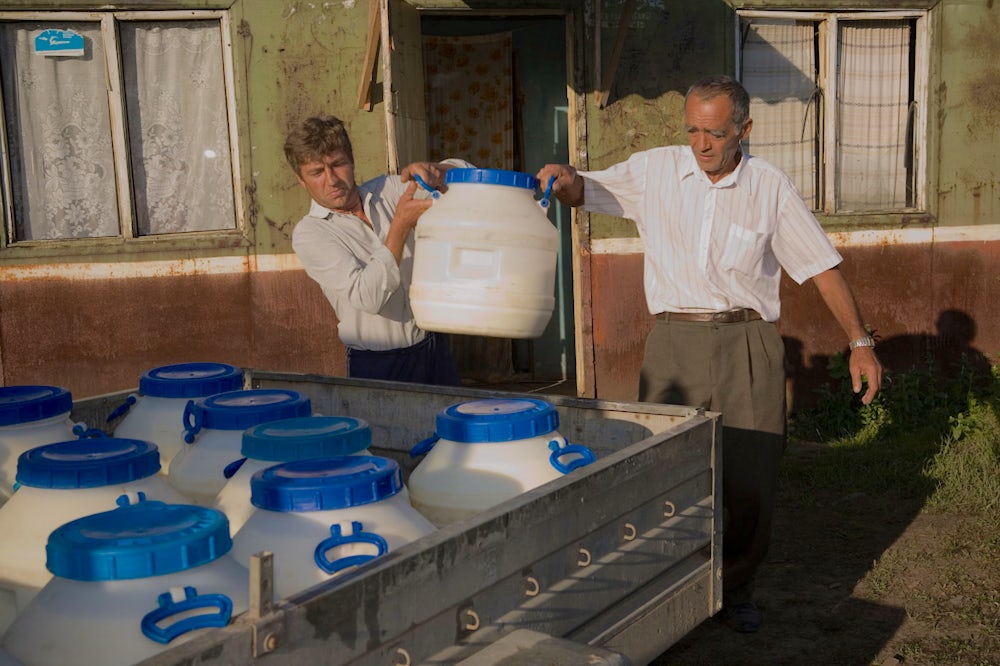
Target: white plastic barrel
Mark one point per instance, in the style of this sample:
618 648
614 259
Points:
30 416
487 451
156 413
274 442
484 258
128 584
322 517
57 483
213 435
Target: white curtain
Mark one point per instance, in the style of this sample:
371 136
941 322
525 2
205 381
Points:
181 168
872 110
59 136
59 129
779 72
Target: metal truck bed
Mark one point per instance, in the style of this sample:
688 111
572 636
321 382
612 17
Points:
623 554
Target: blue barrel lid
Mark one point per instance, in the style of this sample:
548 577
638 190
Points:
88 463
138 541
492 177
23 404
321 484
306 437
190 380
496 420
239 410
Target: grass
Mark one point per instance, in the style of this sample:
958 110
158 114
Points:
932 436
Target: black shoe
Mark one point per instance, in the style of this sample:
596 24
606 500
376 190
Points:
743 617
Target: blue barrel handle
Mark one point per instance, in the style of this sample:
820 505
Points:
422 183
586 456
338 539
121 409
83 432
193 419
230 470
544 201
424 446
192 600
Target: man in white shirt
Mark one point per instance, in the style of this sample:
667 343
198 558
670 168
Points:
357 243
718 226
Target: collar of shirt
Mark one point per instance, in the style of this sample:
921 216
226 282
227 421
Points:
690 168
316 210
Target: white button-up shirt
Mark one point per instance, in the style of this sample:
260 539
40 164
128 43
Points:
711 247
357 273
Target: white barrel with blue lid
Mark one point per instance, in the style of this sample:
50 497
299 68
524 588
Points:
282 441
484 257
156 413
62 481
213 435
322 517
30 416
129 583
485 452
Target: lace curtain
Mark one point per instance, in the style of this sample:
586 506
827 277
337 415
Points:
59 129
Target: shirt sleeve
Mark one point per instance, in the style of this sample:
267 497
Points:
800 245
617 190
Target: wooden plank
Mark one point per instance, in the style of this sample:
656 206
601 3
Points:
609 74
371 52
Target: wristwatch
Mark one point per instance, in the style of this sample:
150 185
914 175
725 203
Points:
866 341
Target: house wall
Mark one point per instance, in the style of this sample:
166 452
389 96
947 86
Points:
93 317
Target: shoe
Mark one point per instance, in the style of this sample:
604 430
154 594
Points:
743 617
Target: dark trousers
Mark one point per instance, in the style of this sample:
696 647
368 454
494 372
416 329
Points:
427 362
736 369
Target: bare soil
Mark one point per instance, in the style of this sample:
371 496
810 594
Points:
857 579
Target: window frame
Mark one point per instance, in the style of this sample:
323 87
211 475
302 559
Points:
125 195
828 26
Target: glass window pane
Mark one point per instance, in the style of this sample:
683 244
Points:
873 101
178 126
780 73
58 133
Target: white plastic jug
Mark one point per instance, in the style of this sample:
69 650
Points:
273 442
129 583
30 416
213 433
57 483
484 258
322 517
156 413
487 451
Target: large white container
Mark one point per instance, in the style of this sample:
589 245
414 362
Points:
156 413
274 442
321 517
30 416
213 432
484 259
487 451
125 583
58 483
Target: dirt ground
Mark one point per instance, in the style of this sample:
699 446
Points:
932 600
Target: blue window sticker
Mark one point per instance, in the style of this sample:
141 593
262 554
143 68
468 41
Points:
54 42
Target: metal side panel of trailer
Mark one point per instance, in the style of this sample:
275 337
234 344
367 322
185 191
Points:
623 554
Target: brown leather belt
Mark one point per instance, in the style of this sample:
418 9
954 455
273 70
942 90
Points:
728 317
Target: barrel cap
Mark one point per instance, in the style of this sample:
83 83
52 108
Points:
306 437
496 420
321 484
190 380
239 410
138 541
88 463
23 404
492 177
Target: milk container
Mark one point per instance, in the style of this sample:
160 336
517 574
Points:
156 413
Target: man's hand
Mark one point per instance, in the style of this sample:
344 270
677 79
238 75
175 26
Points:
432 173
568 186
864 363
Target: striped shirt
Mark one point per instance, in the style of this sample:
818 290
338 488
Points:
712 247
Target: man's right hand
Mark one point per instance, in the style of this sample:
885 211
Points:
567 186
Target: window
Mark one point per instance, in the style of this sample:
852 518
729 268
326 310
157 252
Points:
116 125
837 102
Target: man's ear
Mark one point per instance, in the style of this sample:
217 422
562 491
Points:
746 129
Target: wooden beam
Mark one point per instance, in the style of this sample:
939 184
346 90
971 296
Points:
368 69
609 74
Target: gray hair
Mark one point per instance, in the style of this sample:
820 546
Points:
713 86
